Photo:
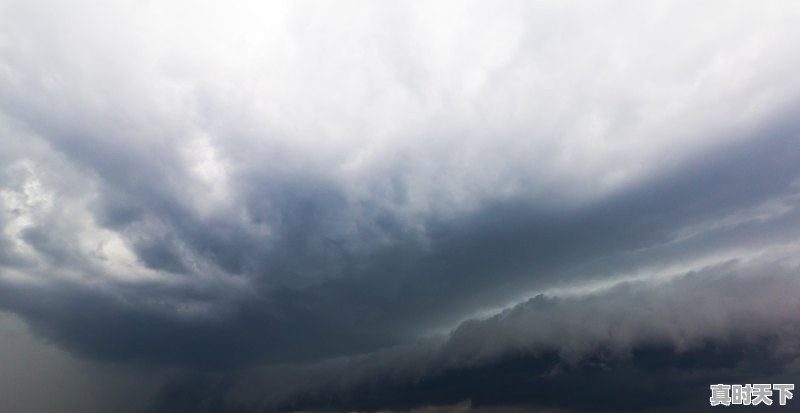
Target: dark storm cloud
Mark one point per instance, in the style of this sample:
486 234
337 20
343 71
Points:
260 206
654 377
637 345
384 285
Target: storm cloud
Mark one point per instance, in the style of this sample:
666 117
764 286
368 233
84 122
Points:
367 206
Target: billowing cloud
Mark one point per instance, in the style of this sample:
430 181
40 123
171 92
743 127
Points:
395 205
626 341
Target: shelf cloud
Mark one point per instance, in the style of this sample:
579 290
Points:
396 206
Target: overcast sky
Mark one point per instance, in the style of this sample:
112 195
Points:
396 206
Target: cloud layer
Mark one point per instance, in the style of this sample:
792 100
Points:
369 206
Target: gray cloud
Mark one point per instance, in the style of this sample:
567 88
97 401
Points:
728 321
391 291
271 189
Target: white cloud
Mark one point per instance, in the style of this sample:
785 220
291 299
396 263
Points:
568 101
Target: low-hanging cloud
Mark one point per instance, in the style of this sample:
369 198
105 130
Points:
254 192
727 320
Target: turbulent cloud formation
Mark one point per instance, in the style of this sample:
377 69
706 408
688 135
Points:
407 206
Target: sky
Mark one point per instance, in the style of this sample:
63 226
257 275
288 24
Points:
418 207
